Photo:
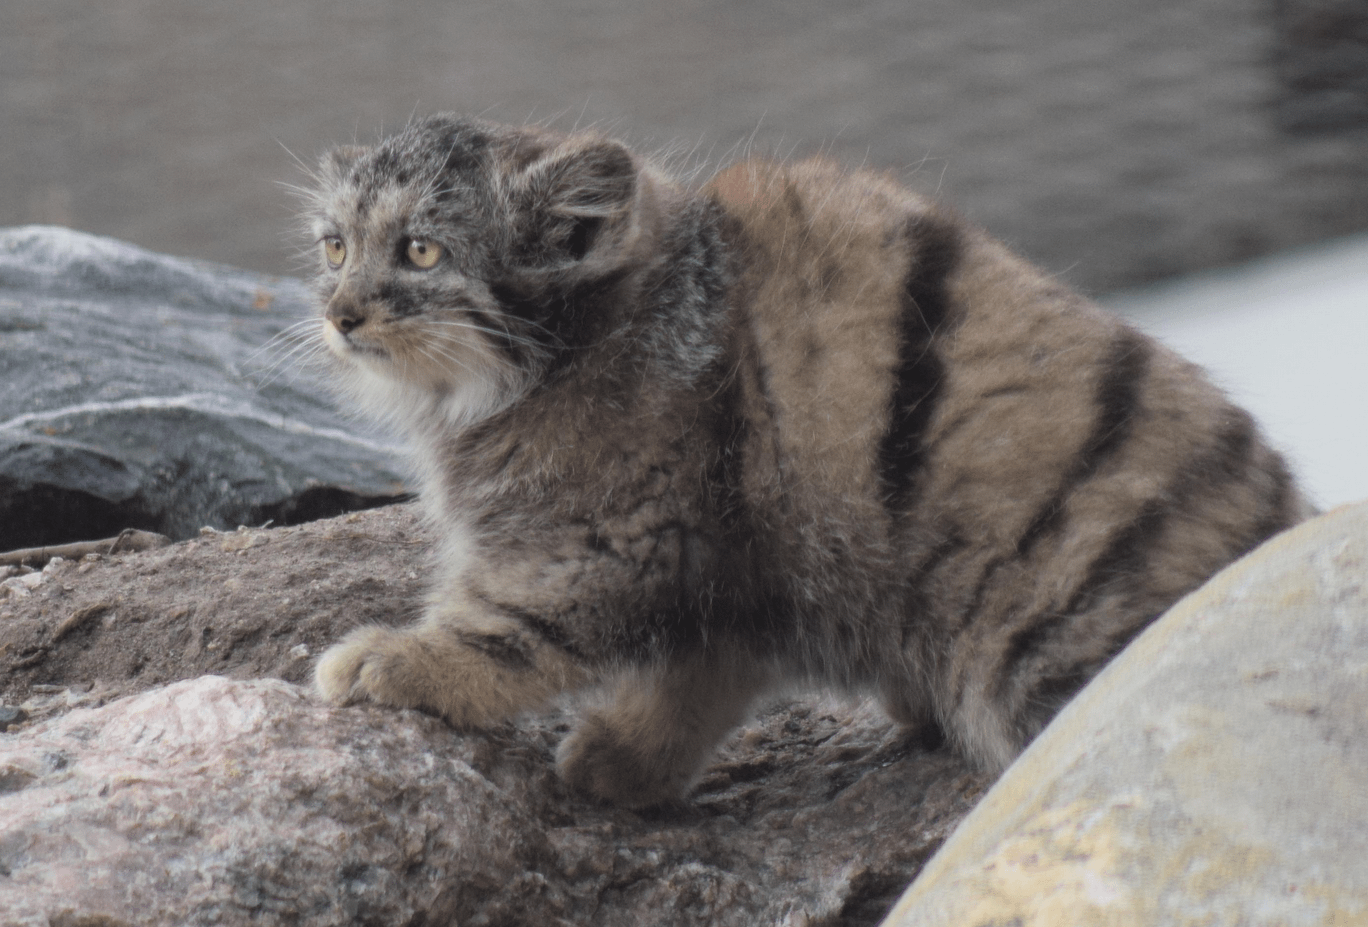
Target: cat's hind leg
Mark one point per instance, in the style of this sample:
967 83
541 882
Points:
651 741
911 708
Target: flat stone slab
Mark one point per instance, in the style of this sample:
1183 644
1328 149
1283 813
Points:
1215 773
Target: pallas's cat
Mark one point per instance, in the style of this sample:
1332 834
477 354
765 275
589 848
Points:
681 446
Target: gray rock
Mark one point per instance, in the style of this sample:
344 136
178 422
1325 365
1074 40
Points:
129 398
1213 774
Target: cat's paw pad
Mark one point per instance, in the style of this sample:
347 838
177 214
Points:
596 762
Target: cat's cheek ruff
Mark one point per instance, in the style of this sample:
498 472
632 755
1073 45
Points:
393 379
377 386
477 401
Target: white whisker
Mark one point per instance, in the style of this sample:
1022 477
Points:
505 333
296 347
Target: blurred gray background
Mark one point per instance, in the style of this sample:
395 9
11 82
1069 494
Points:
1116 142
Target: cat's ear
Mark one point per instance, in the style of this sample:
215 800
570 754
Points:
571 192
582 178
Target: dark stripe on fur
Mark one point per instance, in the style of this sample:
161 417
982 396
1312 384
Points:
749 374
1052 691
971 609
926 306
1117 402
510 650
948 546
732 432
1121 559
1050 694
745 600
1226 461
547 630
1231 460
692 287
1118 399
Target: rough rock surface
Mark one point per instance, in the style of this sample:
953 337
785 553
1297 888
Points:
245 603
127 797
129 398
1213 774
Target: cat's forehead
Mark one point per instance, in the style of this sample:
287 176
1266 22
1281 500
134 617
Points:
433 146
442 172
410 161
460 149
420 169
366 202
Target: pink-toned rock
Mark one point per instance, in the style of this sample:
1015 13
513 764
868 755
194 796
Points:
219 802
225 802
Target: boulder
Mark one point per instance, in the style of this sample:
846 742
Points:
142 391
1214 773
162 765
214 801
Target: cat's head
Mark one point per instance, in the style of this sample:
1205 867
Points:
457 260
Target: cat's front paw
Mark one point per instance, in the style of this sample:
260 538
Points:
433 670
370 663
598 762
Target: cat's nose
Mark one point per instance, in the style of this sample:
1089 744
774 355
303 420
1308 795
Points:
345 317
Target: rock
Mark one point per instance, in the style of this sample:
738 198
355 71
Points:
129 397
21 585
128 539
11 715
1213 774
133 794
242 603
215 801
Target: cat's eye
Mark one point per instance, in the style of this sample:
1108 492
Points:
334 251
424 254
